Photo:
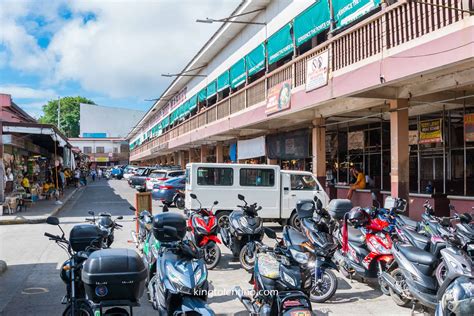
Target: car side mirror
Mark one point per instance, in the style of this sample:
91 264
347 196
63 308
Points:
193 196
120 217
52 220
216 202
241 197
91 213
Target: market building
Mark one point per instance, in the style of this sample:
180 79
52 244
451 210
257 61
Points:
30 155
103 131
385 86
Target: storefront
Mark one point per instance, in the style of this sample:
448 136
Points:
291 150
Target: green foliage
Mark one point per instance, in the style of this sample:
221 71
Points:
70 114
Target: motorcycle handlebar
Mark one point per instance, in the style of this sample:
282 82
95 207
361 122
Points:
118 225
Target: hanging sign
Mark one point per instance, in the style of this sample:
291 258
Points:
279 97
469 127
317 71
431 131
413 137
355 140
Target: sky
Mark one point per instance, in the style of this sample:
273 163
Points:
110 51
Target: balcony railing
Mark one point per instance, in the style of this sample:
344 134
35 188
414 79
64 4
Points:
391 27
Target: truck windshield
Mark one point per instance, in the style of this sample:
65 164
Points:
303 182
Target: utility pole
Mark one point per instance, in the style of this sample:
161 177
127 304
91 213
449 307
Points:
59 113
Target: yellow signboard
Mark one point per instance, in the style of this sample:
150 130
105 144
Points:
431 131
469 127
101 159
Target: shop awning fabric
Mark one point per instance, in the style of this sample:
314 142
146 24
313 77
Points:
346 12
223 81
211 89
255 60
280 44
192 102
238 73
312 21
202 95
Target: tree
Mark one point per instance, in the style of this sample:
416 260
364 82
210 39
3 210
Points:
69 117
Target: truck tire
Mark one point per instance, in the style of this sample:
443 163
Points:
294 221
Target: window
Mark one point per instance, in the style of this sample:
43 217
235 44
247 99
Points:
215 176
99 150
87 150
157 175
257 177
187 176
175 174
303 182
116 150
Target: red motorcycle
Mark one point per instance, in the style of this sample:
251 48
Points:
202 231
366 249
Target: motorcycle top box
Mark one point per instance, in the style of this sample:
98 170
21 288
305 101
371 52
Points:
338 207
114 275
169 227
85 235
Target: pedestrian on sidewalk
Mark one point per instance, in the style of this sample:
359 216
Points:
99 174
77 176
93 174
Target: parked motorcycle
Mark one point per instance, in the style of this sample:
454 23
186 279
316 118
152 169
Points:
316 226
414 279
180 284
277 283
179 199
105 222
366 248
144 224
245 229
203 233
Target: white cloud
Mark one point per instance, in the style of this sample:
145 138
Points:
122 52
35 109
22 92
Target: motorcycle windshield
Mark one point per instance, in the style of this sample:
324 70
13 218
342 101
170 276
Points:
105 221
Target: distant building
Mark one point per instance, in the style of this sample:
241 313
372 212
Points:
102 133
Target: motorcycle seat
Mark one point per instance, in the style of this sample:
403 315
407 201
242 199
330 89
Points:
405 220
355 235
295 237
417 255
417 239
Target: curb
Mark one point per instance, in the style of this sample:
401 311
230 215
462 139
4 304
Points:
3 267
40 220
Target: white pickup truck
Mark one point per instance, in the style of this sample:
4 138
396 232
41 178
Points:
276 191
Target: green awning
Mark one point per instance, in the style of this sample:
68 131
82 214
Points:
193 102
312 21
211 89
184 109
174 115
347 11
223 81
280 44
202 95
238 73
165 122
255 60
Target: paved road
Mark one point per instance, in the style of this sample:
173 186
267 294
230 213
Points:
31 285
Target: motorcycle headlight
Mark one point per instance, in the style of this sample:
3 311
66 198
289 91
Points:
375 246
199 276
173 275
459 297
300 257
288 279
243 221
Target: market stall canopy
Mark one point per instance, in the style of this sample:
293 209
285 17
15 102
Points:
312 21
36 129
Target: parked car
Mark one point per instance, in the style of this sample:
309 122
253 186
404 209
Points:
138 180
159 176
276 190
129 171
166 191
117 172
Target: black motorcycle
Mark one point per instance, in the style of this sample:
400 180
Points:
179 285
277 283
315 237
244 231
105 222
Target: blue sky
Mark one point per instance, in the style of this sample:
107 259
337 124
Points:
110 51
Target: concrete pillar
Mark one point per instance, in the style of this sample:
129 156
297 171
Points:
219 152
399 150
319 150
204 153
272 161
194 156
181 159
176 158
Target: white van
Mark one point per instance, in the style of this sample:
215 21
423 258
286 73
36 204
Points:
276 191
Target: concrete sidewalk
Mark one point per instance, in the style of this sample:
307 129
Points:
38 211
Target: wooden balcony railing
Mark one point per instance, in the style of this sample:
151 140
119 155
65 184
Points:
392 26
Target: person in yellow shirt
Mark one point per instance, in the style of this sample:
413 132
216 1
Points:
359 184
25 183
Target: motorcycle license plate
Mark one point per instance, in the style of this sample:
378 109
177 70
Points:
300 313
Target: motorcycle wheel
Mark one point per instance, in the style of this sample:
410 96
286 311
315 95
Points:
179 202
212 256
441 273
318 295
247 262
223 219
84 310
399 300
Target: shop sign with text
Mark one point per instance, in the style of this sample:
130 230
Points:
317 71
469 127
279 97
431 131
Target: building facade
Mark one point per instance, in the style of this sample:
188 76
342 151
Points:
386 86
102 133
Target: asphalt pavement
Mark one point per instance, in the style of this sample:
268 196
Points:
31 285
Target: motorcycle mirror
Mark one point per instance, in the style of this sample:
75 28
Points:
52 220
270 233
132 208
120 217
91 213
259 208
216 202
241 197
193 196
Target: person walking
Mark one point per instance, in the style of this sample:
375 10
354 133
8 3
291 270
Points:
77 176
93 174
99 173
